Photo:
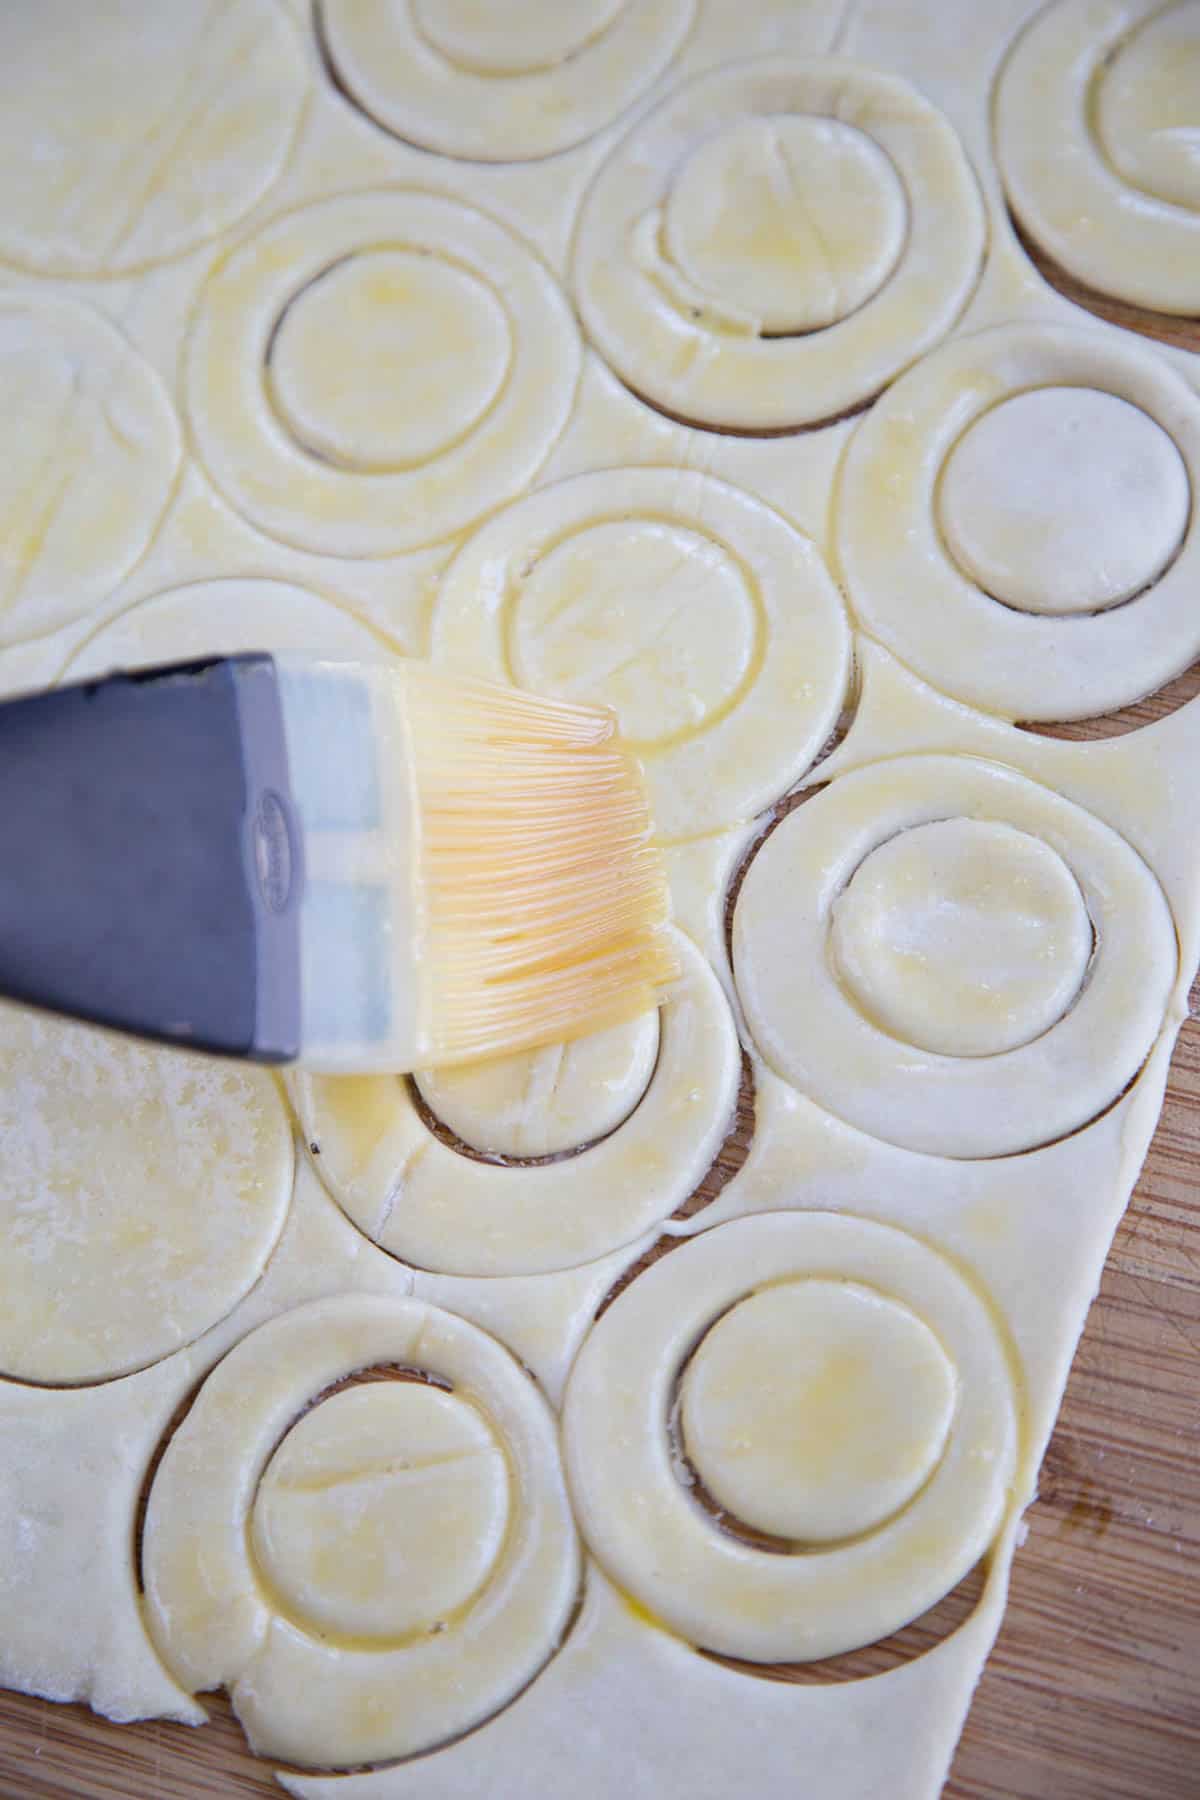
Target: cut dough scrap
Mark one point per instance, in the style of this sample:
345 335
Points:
549 1101
1064 500
963 937
494 85
382 1513
141 1194
906 587
222 618
966 1105
375 372
717 1590
143 136
816 1409
88 474
301 1691
711 626
779 195
1097 111
440 1210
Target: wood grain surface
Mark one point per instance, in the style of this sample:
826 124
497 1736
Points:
1093 1689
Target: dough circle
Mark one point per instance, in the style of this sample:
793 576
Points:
905 585
142 1192
88 472
551 1101
793 222
348 448
816 1409
223 617
423 350
711 625
1063 500
721 1593
382 1513
813 1034
964 937
305 1690
151 131
439 1210
1097 110
708 217
500 84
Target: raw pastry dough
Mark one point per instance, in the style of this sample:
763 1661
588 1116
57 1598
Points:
439 1210
904 584
712 230
550 1101
402 293
497 85
910 1529
985 1100
711 627
134 131
251 1469
141 1194
1064 500
1097 111
89 463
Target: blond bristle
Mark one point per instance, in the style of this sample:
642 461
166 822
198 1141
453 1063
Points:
545 905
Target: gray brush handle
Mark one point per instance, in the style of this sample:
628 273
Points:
151 868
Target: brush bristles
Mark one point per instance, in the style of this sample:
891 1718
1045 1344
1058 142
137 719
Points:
545 905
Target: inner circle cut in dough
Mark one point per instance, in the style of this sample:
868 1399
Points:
550 1101
334 451
908 590
424 1202
816 1038
495 83
1097 110
90 459
711 626
318 1696
963 937
1063 500
422 350
678 253
720 1592
816 1409
131 131
383 1511
791 221
141 1194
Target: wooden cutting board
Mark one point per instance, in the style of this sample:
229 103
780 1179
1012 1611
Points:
1093 1689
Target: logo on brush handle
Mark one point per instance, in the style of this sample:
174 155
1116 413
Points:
274 859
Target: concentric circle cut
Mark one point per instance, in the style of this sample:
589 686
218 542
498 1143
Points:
141 1194
708 623
382 1513
456 1504
1097 111
551 1101
374 372
920 497
964 937
981 1101
816 1409
439 1210
500 84
1063 500
756 206
859 1302
422 351
88 467
148 133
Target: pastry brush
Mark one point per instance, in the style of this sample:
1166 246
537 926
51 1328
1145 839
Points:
355 866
